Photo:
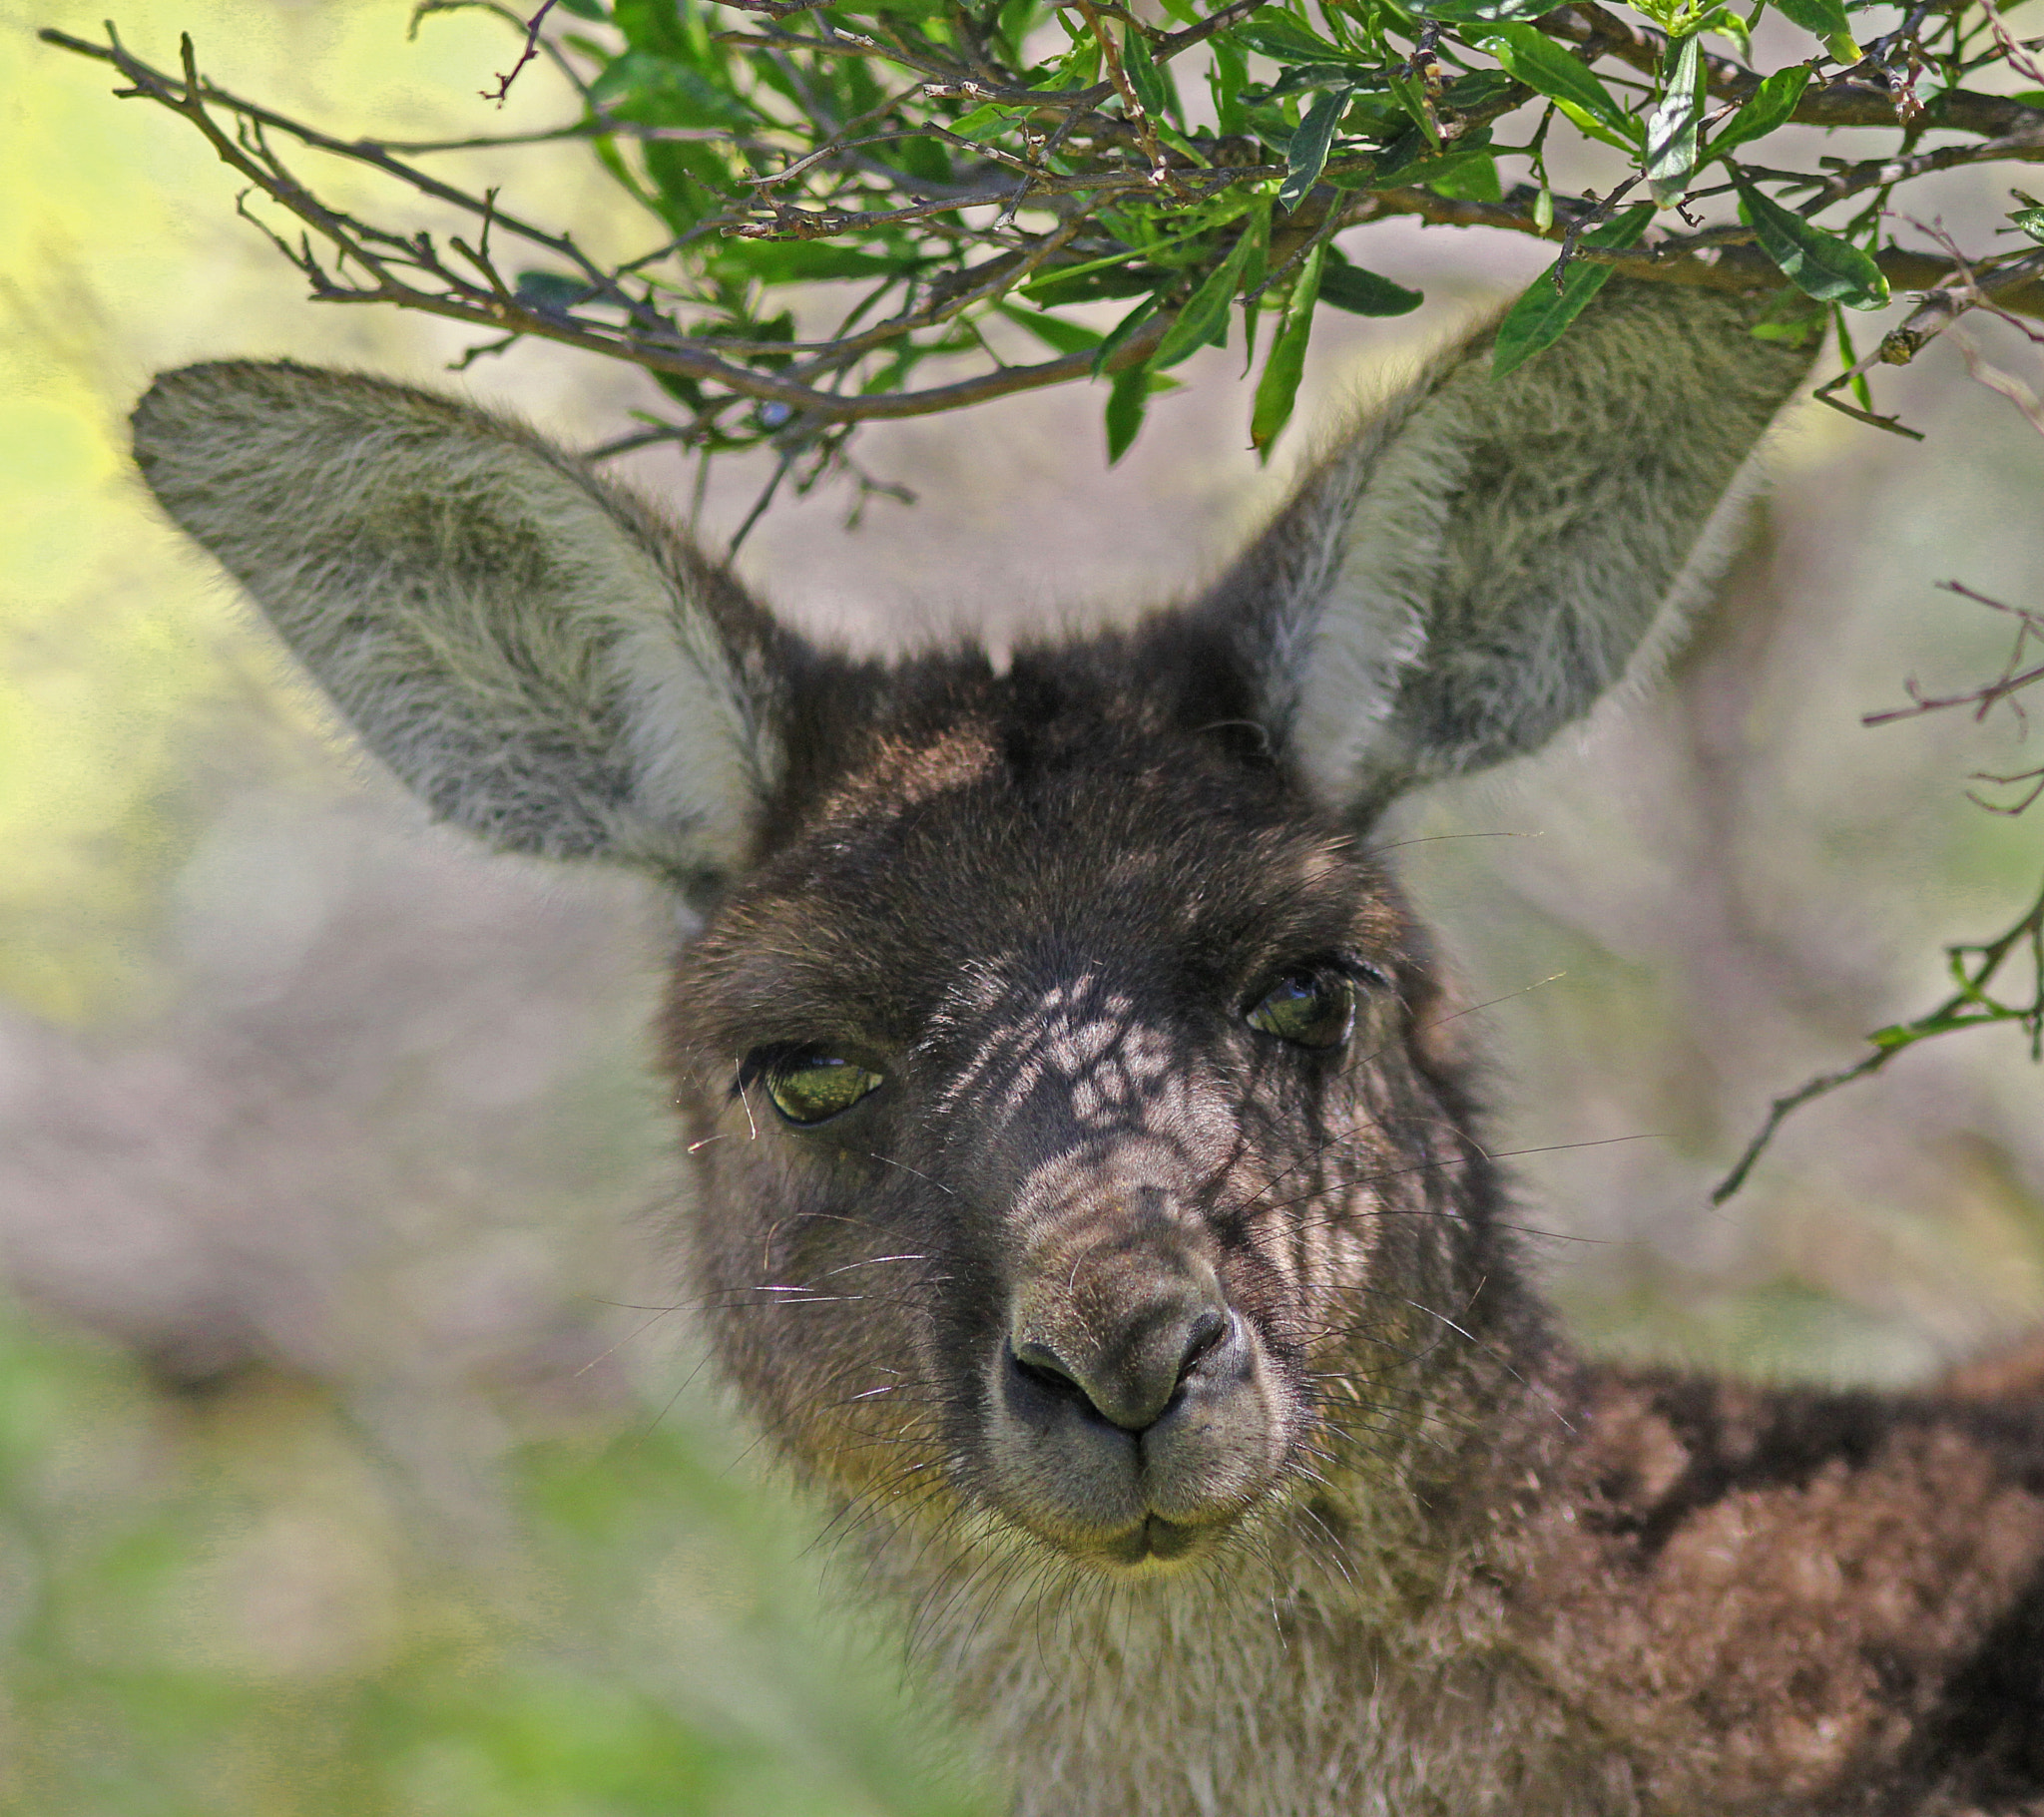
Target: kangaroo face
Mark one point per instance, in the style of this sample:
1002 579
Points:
1073 1164
1060 1065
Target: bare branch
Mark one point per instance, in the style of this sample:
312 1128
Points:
502 92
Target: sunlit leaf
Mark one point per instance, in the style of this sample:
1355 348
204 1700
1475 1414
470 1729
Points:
2029 219
1540 63
1481 12
1277 388
1817 263
1727 24
1671 151
1823 19
983 122
1478 89
1542 314
1766 107
1305 157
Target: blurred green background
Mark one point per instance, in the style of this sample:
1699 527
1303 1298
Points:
347 1460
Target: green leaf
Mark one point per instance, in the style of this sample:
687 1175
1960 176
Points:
1482 12
928 160
682 389
1277 389
663 28
585 9
1767 107
1410 94
692 179
1126 278
802 262
1206 309
1356 74
983 122
1118 337
1823 19
1792 318
1451 167
1817 263
1727 25
1470 177
648 89
1540 63
1671 152
1364 292
1305 157
1257 234
1542 314
1060 335
1227 75
1478 89
1153 86
1126 405
553 289
2030 221
1285 41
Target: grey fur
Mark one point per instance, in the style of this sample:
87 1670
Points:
540 657
1475 566
1175 1373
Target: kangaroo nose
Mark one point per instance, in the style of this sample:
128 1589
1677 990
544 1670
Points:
1132 1374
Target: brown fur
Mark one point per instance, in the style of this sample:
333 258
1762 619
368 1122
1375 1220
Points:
1152 1323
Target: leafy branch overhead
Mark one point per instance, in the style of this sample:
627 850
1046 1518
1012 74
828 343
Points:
855 210
867 209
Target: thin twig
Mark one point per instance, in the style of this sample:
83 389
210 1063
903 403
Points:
1969 1007
501 93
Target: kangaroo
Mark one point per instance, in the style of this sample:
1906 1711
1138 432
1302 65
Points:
1090 1196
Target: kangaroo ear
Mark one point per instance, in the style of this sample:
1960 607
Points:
1468 569
539 657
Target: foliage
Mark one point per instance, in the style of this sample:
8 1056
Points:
1986 974
858 209
862 208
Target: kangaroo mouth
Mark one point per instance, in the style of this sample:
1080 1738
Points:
1155 1540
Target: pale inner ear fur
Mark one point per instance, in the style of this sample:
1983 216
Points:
1470 569
534 652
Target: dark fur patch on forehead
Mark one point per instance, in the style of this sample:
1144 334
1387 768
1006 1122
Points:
1046 825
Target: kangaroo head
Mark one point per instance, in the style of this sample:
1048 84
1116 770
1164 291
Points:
1082 1155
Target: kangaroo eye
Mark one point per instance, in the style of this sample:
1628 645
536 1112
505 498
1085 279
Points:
1307 1008
809 1089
